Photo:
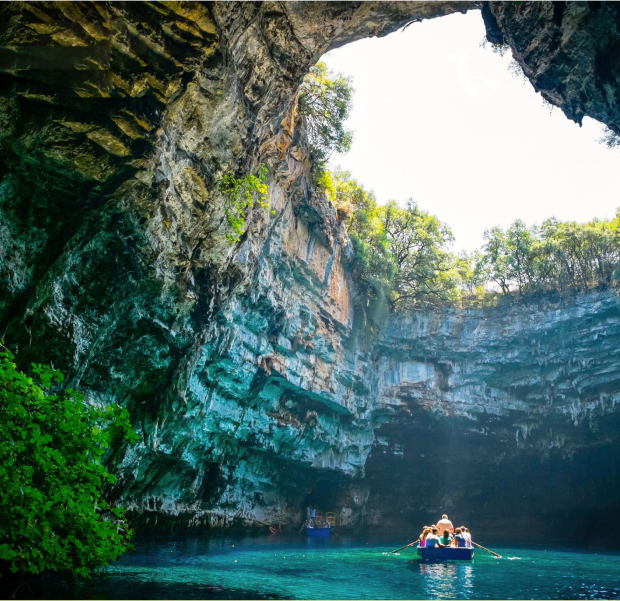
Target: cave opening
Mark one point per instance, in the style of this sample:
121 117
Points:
442 117
519 158
511 233
242 363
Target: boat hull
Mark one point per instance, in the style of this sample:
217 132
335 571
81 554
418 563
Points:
318 532
445 553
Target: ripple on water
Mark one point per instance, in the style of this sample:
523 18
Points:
272 568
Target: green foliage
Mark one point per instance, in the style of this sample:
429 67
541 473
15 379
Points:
242 194
324 179
372 267
494 262
52 514
401 255
556 256
467 273
423 267
325 99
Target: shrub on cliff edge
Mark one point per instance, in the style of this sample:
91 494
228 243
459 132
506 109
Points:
325 100
52 514
241 194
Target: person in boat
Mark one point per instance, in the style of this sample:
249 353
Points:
445 539
311 513
444 524
459 539
432 540
307 524
466 536
425 532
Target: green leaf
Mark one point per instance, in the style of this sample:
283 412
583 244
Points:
52 512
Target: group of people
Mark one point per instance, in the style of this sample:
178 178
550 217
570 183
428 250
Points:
444 534
311 520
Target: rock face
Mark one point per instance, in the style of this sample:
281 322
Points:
246 367
512 411
570 52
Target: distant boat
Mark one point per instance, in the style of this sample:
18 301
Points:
445 553
323 532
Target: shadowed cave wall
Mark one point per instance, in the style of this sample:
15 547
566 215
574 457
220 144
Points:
246 368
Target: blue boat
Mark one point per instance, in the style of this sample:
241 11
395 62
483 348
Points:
445 553
318 532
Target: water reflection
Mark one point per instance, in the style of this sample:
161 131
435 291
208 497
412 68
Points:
291 568
447 580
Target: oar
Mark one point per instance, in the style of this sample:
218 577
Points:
491 552
409 545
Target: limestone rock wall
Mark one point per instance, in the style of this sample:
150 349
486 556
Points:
241 364
542 360
568 50
508 416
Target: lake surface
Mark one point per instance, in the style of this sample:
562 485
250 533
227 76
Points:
292 568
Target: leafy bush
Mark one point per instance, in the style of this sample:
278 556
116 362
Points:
52 514
241 194
401 254
556 256
325 99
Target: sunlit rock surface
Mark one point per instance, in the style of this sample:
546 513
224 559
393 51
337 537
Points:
247 368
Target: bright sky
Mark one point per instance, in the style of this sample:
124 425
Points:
442 120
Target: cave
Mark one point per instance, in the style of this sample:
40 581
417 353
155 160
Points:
246 367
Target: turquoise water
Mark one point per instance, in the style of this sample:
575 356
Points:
274 567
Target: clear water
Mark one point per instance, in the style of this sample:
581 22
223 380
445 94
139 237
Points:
293 568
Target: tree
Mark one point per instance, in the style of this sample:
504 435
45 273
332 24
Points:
52 514
325 99
469 276
558 255
495 258
401 255
418 248
519 245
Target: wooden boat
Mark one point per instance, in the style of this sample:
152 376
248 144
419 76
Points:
445 553
318 532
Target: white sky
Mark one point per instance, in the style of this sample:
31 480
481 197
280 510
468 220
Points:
440 119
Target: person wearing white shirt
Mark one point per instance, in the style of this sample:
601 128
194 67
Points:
466 535
444 524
